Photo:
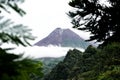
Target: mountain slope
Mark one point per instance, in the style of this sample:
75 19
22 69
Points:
49 63
93 64
63 70
63 38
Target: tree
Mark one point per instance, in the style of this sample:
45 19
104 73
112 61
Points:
5 4
101 20
12 33
12 66
64 69
9 32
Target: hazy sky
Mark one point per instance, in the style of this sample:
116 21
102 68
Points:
43 16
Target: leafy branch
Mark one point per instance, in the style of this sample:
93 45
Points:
17 34
5 4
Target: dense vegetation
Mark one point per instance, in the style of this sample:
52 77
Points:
13 66
49 63
93 64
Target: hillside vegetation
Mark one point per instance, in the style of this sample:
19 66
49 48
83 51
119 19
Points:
49 63
93 64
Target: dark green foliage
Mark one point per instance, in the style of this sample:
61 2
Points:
14 67
89 51
93 64
110 62
49 63
64 68
101 20
7 61
106 64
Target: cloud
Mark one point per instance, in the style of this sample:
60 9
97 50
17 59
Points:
37 52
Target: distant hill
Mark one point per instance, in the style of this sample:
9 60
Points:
63 38
49 63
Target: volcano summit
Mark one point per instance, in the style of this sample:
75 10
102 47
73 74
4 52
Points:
63 38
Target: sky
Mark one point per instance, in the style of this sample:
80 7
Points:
43 16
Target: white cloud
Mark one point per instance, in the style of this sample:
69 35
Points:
37 52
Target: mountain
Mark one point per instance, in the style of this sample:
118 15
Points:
76 65
93 64
64 69
63 38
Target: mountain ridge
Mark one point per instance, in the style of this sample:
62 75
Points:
63 38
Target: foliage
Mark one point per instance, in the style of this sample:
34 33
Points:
93 64
106 64
101 20
64 68
49 63
13 66
16 34
89 51
5 4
